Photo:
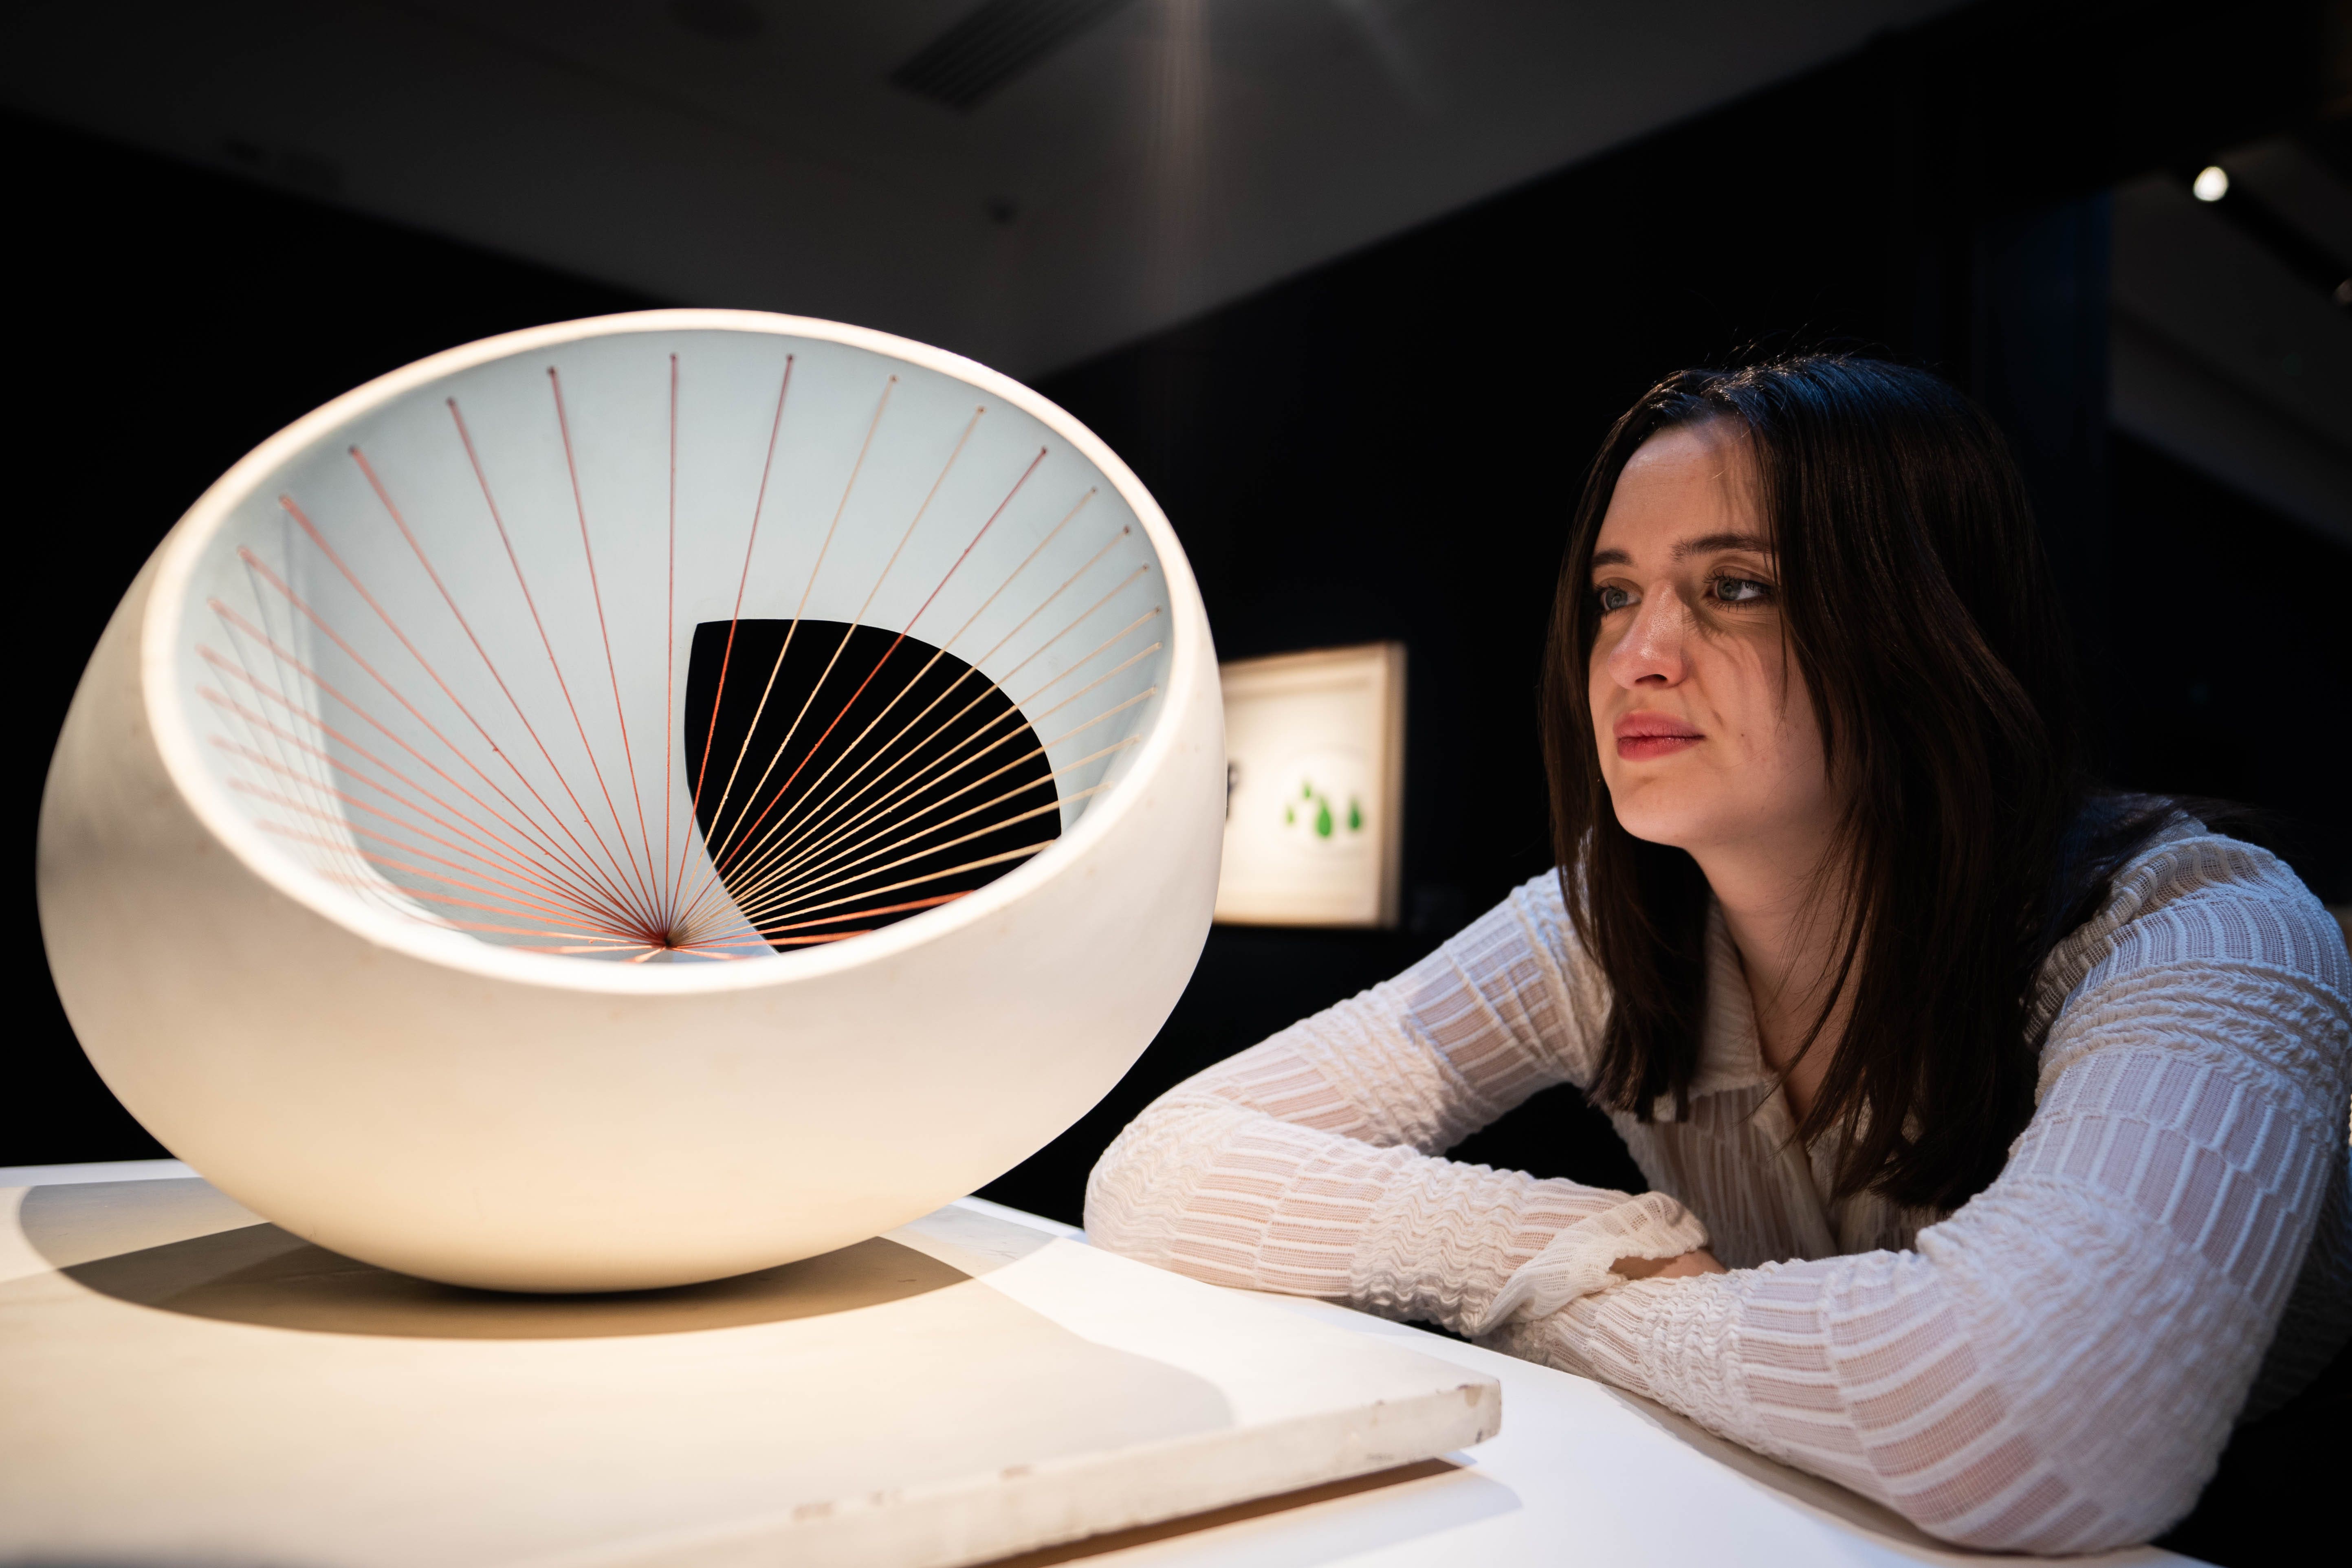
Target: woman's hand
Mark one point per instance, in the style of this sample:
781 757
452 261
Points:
1682 1268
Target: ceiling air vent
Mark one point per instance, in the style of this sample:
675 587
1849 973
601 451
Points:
992 43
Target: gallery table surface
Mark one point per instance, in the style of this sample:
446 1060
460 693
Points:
159 1347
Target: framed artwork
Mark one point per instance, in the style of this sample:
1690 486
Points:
1314 787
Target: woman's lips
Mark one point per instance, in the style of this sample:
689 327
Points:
1641 737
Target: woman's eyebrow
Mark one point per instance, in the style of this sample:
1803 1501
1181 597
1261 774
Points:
1707 544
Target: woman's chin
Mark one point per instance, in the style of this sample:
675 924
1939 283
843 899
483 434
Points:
1656 812
1667 836
1669 829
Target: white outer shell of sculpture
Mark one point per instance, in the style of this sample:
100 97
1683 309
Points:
491 1117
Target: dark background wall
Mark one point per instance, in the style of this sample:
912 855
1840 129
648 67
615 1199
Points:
1385 447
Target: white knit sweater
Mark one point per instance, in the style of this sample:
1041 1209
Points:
2053 1367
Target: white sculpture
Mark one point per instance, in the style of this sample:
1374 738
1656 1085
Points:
386 881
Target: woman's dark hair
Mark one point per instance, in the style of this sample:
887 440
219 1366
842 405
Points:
1916 603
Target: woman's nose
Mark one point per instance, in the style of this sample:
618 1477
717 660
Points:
1651 651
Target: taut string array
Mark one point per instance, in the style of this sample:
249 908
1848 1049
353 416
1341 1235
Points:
809 836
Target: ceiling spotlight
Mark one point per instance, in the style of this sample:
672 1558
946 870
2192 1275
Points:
2210 183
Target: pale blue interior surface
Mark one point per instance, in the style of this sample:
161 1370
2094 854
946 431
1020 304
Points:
456 750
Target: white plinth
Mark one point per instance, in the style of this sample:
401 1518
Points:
181 1382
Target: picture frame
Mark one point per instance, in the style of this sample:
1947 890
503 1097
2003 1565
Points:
1314 788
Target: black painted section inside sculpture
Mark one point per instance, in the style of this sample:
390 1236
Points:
853 778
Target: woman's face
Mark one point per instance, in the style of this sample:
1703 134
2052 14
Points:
1707 737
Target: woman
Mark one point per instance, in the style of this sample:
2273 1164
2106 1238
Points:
1995 1127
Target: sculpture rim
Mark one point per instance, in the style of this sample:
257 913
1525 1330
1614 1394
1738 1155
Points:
176 745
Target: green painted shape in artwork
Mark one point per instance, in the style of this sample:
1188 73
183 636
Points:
1355 816
1306 789
1289 817
1322 818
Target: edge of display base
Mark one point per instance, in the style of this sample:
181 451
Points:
179 1378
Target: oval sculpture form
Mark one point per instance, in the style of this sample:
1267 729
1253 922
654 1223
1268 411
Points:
637 801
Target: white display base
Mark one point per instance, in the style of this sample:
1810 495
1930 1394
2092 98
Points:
180 1381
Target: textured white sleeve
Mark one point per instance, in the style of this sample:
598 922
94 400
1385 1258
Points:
2057 1366
1305 1163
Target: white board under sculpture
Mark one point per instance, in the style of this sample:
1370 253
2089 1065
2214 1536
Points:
182 1384
638 801
1315 785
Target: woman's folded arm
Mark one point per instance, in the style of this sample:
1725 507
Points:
1306 1164
2057 1366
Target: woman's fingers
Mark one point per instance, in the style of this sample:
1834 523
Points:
1698 1262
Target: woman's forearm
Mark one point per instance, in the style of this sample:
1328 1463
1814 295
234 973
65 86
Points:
1230 1194
1305 1164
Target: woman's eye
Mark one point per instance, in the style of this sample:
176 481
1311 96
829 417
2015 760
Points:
1613 598
1741 591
